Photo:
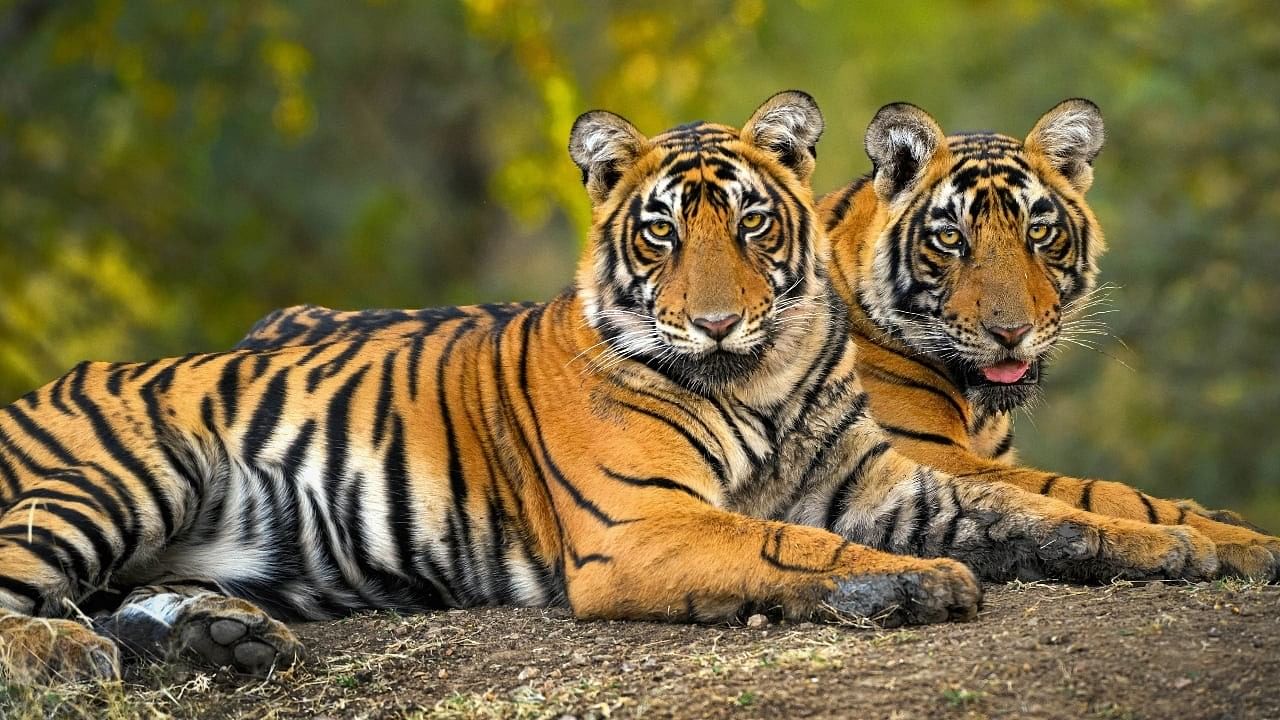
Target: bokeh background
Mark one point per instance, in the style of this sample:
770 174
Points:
170 171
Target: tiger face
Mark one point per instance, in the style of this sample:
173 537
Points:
987 239
703 252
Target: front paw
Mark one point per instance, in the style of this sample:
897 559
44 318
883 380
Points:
942 590
1242 553
36 650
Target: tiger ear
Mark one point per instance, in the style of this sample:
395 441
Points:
788 126
604 145
901 140
1070 136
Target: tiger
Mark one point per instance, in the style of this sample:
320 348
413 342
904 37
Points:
556 454
965 261
811 477
590 452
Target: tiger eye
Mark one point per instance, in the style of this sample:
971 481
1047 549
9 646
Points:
1038 232
752 220
949 238
660 228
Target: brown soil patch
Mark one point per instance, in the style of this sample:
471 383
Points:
1037 651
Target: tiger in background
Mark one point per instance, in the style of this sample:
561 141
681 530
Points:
915 397
585 452
962 260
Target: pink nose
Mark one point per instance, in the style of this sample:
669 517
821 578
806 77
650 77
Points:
718 327
1008 336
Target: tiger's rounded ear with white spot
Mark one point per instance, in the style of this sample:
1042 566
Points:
788 126
604 145
1070 136
901 140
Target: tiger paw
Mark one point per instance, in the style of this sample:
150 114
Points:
37 650
229 632
1089 548
942 590
1135 550
1242 553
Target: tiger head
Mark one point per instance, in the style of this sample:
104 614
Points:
704 255
985 241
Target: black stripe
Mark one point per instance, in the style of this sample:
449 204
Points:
713 462
22 589
43 543
1152 516
953 524
921 436
37 433
1005 443
840 498
1049 483
657 482
111 443
265 416
578 498
895 378
386 387
229 389
457 478
1086 497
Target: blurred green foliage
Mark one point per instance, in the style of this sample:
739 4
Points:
171 171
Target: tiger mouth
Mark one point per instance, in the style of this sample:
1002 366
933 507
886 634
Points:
1007 373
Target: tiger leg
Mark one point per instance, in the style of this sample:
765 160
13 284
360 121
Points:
195 620
893 503
1242 551
701 564
62 533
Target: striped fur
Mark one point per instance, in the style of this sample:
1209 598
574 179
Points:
576 452
921 310
595 451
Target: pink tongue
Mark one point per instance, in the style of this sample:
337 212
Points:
1009 371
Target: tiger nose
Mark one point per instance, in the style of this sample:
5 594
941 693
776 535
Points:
718 327
1008 336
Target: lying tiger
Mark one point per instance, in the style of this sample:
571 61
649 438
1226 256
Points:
585 452
955 258
961 259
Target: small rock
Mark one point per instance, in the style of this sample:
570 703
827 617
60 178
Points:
1181 682
1054 639
1213 632
442 674
626 667
525 674
757 621
556 673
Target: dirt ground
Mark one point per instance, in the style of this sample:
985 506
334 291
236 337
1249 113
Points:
1037 651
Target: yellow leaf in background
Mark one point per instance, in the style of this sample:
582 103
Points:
294 116
287 59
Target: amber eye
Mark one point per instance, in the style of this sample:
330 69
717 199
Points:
752 221
660 228
1039 232
950 238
